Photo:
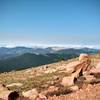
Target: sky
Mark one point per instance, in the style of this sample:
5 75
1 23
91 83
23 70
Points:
50 22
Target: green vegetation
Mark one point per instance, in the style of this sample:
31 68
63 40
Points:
31 60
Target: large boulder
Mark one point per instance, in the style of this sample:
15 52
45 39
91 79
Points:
69 80
85 63
31 94
77 69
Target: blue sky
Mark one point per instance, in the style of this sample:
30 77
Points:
60 22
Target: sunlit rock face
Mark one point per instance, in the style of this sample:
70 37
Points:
83 57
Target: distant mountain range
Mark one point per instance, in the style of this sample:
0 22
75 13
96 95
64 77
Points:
16 51
23 57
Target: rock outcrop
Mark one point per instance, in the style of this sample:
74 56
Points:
77 69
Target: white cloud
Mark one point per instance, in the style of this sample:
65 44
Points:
48 45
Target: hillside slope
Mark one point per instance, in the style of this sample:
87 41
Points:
31 60
43 77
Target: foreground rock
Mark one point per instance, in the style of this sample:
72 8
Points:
70 80
84 62
89 93
4 92
77 69
53 91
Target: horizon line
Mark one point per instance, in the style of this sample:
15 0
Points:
12 45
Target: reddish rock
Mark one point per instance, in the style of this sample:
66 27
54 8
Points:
68 81
95 70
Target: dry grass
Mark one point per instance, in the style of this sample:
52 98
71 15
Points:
36 78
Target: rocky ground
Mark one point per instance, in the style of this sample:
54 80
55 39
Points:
90 92
75 79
